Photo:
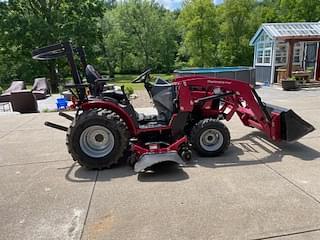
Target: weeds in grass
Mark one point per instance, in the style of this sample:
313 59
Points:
47 110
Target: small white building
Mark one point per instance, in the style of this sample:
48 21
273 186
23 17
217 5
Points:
285 49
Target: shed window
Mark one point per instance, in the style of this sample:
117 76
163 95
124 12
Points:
260 56
264 49
282 51
297 53
281 54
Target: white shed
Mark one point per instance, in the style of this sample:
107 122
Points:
286 49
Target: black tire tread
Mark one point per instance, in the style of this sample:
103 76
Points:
119 125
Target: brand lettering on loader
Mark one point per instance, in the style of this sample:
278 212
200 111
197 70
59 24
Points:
218 82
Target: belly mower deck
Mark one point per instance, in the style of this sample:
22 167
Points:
153 153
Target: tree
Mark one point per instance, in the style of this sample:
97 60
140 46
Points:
299 10
128 36
266 11
36 23
138 34
237 30
141 20
200 31
168 42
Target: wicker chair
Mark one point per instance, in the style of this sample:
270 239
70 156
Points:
41 88
15 86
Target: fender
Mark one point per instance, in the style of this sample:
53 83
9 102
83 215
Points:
120 110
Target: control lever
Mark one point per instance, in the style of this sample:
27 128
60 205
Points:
125 95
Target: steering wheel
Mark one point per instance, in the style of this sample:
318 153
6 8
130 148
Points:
142 77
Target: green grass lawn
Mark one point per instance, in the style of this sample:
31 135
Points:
120 79
126 79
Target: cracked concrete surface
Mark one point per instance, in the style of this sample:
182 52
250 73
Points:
256 190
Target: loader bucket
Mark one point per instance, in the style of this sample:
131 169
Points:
292 126
146 161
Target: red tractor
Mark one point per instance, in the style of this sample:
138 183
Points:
106 127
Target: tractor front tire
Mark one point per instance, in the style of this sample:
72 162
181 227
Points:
97 139
210 137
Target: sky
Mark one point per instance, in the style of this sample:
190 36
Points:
175 4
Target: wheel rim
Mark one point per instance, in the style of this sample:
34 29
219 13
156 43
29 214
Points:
97 141
211 140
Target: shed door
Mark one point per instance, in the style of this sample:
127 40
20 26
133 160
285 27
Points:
311 55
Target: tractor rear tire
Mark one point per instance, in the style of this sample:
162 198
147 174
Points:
97 139
210 137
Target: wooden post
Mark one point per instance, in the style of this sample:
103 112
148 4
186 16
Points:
317 66
273 61
290 58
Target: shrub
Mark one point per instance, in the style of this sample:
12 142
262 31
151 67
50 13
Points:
129 90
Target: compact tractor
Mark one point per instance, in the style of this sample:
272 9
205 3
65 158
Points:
106 128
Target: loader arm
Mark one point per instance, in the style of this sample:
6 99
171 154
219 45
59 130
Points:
240 98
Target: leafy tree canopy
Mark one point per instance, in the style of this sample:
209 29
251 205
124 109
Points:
128 36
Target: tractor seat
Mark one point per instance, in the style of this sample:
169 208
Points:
92 75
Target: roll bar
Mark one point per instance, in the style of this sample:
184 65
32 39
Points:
49 53
57 51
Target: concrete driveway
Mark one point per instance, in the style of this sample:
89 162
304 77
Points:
256 190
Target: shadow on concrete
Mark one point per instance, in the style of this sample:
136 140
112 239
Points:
254 144
314 89
115 172
164 172
228 159
76 173
278 150
161 173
